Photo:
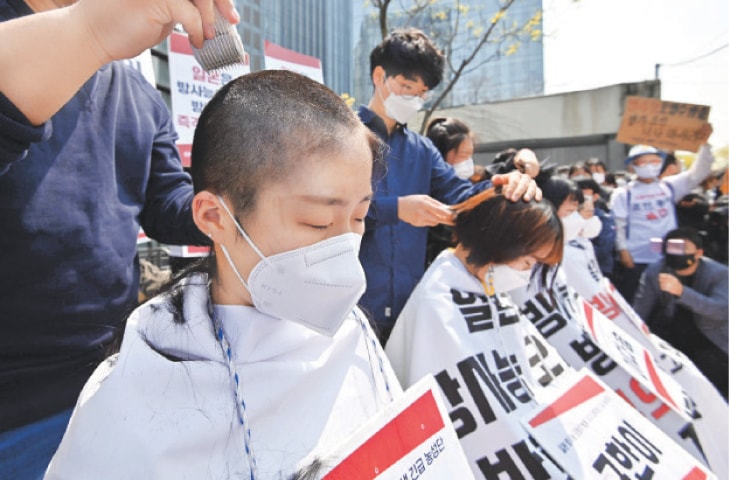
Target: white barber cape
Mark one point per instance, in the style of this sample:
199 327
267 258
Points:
491 364
164 407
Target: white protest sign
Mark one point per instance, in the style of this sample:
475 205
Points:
490 362
411 438
635 359
590 432
557 316
191 88
277 57
709 430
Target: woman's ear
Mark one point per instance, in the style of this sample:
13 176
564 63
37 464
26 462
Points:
206 213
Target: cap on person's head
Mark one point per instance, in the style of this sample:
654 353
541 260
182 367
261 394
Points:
640 150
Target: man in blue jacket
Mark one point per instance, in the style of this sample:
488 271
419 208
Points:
414 187
87 156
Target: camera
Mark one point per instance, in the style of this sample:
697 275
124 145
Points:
674 246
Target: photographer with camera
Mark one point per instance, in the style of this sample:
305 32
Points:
683 299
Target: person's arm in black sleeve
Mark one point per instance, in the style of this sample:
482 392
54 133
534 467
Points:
167 212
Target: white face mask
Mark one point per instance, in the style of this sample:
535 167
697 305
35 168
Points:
572 225
591 228
464 169
316 286
599 177
399 108
652 170
507 278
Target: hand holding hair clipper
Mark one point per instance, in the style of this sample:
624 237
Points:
224 49
83 37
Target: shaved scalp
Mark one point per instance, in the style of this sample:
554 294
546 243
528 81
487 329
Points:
265 125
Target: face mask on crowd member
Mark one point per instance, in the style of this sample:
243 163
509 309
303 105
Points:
464 169
591 228
572 225
599 177
646 162
461 159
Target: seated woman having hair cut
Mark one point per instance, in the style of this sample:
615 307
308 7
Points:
257 355
461 326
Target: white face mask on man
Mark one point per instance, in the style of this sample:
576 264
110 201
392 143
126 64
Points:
316 286
649 171
399 107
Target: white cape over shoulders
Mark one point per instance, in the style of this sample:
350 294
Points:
164 407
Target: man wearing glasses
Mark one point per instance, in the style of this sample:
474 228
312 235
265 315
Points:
415 186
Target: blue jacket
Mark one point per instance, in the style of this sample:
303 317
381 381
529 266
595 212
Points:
73 194
393 252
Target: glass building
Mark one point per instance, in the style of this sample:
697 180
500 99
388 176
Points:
319 28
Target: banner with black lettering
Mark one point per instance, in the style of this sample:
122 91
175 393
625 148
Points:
491 364
711 415
587 339
588 430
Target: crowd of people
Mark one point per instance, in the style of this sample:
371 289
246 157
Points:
350 256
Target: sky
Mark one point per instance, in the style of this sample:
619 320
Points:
593 43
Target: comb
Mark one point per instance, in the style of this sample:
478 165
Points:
224 50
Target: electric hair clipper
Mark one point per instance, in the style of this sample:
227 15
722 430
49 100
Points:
224 50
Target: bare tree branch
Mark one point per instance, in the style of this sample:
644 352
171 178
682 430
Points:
464 64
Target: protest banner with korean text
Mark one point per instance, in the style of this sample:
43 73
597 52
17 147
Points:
410 439
711 414
590 432
491 365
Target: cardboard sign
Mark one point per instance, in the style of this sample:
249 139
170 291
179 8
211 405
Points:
665 125
590 432
412 438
